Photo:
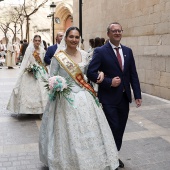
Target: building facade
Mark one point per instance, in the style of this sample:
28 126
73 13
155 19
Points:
39 22
62 19
146 25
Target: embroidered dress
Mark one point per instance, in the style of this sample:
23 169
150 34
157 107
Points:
10 58
76 137
29 95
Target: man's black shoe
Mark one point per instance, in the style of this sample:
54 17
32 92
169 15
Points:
121 164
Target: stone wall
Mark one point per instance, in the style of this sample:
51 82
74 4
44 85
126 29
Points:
146 25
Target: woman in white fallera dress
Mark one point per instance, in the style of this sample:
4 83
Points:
16 51
75 137
29 95
10 58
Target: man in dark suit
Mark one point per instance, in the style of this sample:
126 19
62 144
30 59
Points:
24 47
51 49
117 63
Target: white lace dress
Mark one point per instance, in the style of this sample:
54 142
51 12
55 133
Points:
10 58
76 137
29 95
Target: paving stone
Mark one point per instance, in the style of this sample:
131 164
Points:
11 168
146 153
31 166
3 168
27 161
160 117
16 163
134 127
12 135
5 164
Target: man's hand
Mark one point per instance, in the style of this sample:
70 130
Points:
138 102
100 77
116 81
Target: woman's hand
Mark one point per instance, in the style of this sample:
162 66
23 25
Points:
100 77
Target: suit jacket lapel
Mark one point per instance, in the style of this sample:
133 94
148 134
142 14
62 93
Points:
109 48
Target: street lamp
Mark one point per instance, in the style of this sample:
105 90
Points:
80 17
52 8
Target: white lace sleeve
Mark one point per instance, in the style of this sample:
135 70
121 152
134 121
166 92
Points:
54 67
85 60
42 54
84 57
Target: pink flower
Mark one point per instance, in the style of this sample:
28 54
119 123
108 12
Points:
51 82
57 82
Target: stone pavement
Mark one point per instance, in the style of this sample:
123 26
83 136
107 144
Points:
146 144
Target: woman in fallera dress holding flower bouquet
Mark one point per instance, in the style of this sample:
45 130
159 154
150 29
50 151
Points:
29 95
74 133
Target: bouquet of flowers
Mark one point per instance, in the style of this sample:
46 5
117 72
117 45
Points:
59 86
33 69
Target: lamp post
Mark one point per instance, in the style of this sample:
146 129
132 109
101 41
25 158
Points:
80 17
52 8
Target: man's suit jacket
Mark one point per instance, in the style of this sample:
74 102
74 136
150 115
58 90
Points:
23 48
49 54
104 59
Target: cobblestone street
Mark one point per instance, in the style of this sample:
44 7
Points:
146 144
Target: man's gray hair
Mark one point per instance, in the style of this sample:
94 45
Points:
108 28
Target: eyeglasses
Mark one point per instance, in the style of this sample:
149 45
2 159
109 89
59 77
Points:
116 31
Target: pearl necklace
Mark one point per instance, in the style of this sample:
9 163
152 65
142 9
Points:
73 54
